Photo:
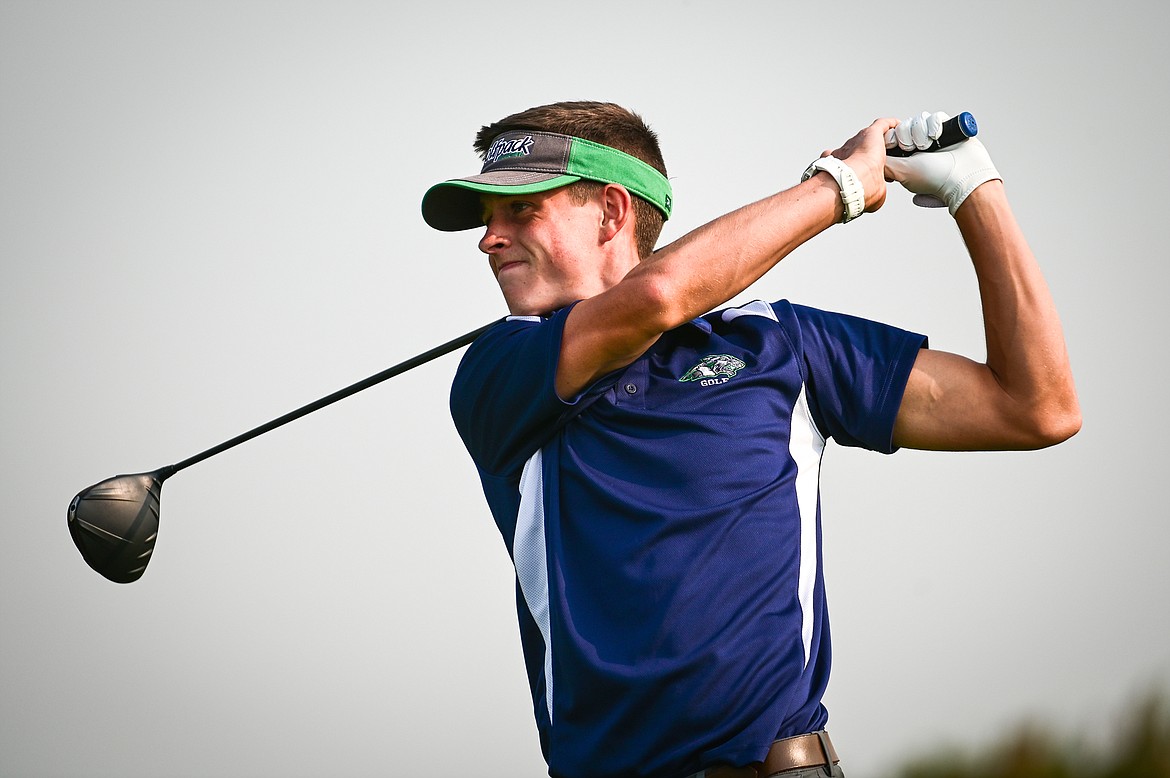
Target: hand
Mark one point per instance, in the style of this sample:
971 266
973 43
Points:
865 152
937 178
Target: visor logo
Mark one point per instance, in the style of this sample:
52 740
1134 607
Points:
503 148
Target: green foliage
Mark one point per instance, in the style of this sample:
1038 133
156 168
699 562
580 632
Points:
1140 748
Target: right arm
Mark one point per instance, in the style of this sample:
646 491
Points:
708 266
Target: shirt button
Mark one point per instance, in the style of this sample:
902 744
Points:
631 389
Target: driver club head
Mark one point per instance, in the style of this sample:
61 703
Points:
114 524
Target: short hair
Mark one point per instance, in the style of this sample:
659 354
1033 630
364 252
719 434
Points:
606 123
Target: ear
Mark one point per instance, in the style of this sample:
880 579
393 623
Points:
617 211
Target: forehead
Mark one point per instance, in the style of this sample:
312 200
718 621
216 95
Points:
489 200
495 197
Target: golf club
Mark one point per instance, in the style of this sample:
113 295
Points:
114 523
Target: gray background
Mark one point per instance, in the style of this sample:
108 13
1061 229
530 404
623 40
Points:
209 216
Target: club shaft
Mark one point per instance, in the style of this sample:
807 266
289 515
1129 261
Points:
340 394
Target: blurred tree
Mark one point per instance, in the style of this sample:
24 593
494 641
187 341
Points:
1140 748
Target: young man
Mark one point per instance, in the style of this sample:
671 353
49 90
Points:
653 467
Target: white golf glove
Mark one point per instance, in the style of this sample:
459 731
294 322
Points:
937 178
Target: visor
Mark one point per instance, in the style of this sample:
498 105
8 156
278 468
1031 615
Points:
523 162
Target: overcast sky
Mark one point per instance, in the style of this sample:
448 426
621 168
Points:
209 215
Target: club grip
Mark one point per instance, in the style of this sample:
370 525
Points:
954 130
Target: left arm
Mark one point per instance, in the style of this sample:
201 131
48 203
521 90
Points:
1023 397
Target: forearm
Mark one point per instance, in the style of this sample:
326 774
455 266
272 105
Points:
1026 352
712 264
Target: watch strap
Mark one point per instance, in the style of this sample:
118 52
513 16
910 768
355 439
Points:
852 192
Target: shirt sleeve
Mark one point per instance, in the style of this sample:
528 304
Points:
503 399
856 372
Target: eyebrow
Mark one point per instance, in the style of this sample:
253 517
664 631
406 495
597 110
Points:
532 197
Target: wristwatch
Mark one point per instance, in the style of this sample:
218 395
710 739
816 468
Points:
852 192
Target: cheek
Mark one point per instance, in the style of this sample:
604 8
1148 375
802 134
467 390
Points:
572 246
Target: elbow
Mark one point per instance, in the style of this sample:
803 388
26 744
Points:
1059 430
1054 424
662 305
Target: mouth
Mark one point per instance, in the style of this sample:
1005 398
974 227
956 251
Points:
503 266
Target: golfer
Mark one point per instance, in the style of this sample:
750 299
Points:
653 467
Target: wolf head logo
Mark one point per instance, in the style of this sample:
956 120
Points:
714 365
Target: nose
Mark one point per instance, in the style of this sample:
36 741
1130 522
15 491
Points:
493 239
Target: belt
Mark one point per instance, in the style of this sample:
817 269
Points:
791 753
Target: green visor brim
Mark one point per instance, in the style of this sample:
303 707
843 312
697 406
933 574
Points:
454 205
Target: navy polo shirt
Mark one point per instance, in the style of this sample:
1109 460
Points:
665 526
